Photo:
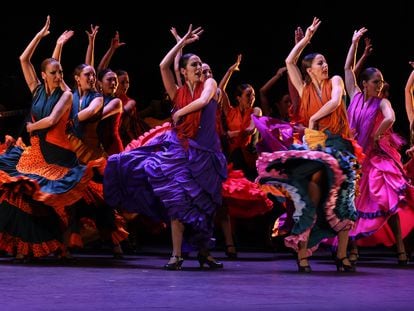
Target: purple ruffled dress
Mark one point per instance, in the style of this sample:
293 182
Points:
164 180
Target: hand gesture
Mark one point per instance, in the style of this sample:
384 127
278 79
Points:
115 42
192 35
64 37
45 30
281 71
198 31
298 34
358 34
176 117
29 127
92 34
235 66
310 31
368 47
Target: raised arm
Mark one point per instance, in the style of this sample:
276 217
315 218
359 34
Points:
226 78
409 96
362 60
63 38
264 90
294 73
106 59
350 79
198 31
209 91
165 65
27 67
62 106
336 100
89 58
177 58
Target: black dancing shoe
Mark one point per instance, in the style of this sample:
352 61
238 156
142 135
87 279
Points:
175 263
209 261
342 267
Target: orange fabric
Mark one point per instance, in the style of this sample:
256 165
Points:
23 186
33 162
238 121
54 134
12 244
336 122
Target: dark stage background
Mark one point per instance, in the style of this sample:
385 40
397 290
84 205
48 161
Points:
263 34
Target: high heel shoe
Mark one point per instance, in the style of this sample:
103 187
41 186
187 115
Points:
175 263
342 267
303 269
230 255
209 260
353 257
402 262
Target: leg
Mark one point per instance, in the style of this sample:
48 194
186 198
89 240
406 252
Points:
353 251
177 230
394 222
314 193
225 223
303 263
343 264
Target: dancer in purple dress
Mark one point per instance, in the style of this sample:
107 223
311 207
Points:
178 175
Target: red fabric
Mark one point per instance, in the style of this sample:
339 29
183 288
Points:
188 127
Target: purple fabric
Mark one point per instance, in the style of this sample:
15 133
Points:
362 118
277 135
165 181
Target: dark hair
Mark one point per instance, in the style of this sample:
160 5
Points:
367 73
103 72
184 60
121 72
307 63
46 62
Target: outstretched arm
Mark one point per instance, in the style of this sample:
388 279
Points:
166 74
264 90
115 44
177 58
350 79
89 58
367 52
294 73
235 67
27 67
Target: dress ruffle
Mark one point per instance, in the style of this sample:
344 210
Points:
163 180
384 191
288 169
243 198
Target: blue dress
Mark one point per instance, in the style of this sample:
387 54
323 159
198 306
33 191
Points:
38 183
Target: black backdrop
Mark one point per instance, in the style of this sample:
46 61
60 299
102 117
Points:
263 33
